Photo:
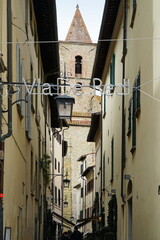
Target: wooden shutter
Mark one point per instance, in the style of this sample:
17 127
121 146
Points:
112 159
138 105
134 103
20 96
129 118
28 118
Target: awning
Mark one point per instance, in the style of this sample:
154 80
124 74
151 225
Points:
88 219
95 121
63 219
78 185
87 170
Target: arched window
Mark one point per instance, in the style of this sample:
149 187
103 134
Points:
78 65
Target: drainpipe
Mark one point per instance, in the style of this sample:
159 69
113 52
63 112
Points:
123 112
45 203
9 71
9 133
101 180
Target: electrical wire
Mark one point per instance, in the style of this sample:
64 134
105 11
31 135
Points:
147 94
99 40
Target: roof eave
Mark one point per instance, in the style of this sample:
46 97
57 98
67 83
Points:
46 17
107 26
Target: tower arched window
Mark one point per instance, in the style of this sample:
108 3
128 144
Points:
78 65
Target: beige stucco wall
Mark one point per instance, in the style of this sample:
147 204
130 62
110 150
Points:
23 181
57 174
143 165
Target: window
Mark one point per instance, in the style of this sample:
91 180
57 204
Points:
81 214
90 185
19 74
104 104
31 173
28 118
32 96
36 178
59 167
135 110
31 18
112 71
82 192
35 41
103 173
35 228
55 163
87 212
112 159
133 121
78 65
137 90
59 197
81 168
129 118
26 212
26 17
55 194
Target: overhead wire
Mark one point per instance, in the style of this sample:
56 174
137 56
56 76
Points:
99 40
147 94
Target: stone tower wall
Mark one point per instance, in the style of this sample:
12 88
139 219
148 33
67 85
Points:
79 127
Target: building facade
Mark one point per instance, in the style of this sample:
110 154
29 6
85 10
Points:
130 140
26 120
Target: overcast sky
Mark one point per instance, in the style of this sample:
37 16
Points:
91 10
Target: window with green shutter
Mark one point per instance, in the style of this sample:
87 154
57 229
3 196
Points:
20 96
136 108
112 159
28 125
138 105
129 118
134 104
112 71
103 170
104 104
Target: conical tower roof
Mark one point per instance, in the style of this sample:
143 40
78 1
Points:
78 31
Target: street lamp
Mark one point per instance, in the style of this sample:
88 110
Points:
64 106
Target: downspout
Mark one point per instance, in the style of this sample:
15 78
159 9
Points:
123 99
101 180
9 133
45 186
9 71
